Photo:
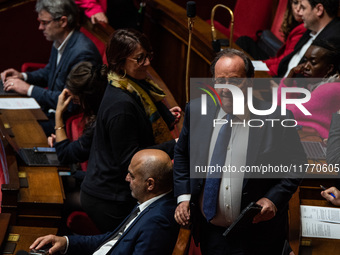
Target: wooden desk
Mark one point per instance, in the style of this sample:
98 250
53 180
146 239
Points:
25 128
41 203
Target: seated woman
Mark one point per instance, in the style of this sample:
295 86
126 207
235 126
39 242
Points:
292 29
131 117
85 85
321 62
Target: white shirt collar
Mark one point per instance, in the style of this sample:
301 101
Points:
145 204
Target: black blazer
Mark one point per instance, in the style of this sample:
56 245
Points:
266 145
330 33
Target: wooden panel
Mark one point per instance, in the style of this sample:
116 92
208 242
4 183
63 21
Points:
28 235
44 186
166 26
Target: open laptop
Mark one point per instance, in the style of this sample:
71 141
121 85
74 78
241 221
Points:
6 93
314 150
31 156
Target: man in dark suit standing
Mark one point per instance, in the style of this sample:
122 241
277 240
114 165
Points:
149 229
58 20
320 19
214 203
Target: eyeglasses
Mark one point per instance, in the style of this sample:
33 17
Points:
142 58
46 22
233 81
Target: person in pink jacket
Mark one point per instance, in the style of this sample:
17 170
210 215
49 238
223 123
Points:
118 13
321 62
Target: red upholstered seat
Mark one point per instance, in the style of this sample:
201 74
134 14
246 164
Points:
4 175
250 16
29 66
100 45
74 129
279 15
81 224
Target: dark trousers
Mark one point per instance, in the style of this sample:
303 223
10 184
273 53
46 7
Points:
213 242
105 214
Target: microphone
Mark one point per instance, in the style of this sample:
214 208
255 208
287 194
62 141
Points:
191 9
191 14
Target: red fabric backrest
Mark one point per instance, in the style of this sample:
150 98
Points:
29 66
4 175
74 130
279 15
100 45
251 16
81 224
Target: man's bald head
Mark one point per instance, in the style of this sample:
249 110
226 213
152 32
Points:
152 167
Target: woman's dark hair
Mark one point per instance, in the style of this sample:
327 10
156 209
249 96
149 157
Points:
122 44
88 82
289 22
332 54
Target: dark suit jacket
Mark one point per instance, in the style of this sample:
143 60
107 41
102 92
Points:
153 232
330 33
266 145
79 48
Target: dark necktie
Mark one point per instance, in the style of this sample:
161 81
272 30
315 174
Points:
213 181
120 231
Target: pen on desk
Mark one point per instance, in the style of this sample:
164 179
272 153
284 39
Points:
323 188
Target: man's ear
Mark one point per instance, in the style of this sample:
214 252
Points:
150 182
63 21
319 9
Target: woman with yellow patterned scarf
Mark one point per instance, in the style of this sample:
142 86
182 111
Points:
131 117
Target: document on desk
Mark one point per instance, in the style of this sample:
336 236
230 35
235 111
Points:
18 103
321 222
259 65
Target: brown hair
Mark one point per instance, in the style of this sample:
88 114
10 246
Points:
122 44
289 22
88 82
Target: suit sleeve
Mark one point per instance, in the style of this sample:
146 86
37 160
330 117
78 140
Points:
48 98
292 153
333 143
181 159
160 242
86 245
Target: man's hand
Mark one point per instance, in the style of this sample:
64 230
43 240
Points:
11 73
182 213
99 17
327 194
268 210
17 85
58 243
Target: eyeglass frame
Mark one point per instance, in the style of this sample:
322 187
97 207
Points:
141 60
47 22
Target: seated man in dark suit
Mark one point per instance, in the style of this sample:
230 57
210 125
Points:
320 19
149 229
58 22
